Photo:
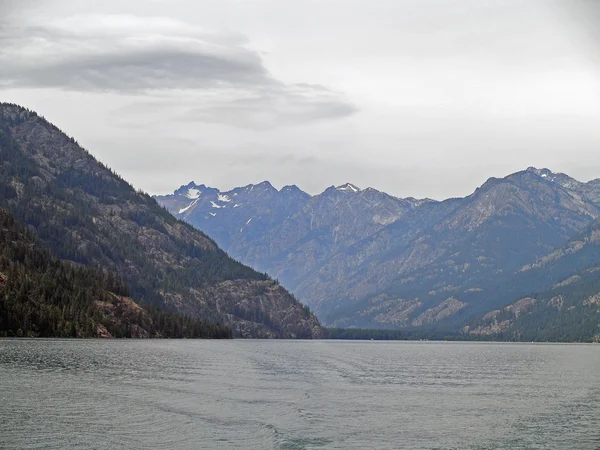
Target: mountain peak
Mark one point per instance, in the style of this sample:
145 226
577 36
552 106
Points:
294 191
544 173
348 187
416 202
191 190
262 186
265 184
559 178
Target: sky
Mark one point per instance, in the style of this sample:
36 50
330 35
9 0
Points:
423 98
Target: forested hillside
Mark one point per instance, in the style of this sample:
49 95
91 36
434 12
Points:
42 296
83 212
567 309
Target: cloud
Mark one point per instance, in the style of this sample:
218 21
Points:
222 78
271 107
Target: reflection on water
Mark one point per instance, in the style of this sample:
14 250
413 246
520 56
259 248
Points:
66 394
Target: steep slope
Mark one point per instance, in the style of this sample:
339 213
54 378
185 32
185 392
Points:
364 258
591 189
46 297
566 306
458 264
233 218
83 212
328 223
287 233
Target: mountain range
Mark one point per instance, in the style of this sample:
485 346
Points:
363 258
84 254
87 216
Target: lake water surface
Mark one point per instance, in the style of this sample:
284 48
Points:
153 394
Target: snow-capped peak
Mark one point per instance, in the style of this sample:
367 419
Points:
348 187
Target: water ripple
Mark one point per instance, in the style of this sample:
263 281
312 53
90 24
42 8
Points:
72 394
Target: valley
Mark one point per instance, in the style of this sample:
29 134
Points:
363 258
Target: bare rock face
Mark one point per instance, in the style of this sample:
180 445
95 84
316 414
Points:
568 281
102 332
520 306
85 213
123 311
593 302
254 309
498 321
445 309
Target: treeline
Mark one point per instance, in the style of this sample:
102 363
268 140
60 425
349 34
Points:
364 334
42 296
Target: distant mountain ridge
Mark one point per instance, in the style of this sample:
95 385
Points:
364 258
83 212
287 232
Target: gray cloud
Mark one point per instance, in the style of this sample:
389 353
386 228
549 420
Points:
269 108
217 76
119 60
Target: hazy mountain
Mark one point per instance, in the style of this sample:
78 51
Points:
287 233
364 258
250 210
83 212
463 263
563 302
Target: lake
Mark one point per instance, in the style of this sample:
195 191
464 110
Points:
157 394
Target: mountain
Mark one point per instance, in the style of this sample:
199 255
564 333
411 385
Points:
364 258
250 210
84 213
569 310
287 233
463 263
590 189
42 296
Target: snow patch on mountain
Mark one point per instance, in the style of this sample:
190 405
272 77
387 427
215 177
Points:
348 187
559 178
182 210
223 198
193 193
214 205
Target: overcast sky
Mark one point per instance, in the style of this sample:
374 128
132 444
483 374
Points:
424 98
